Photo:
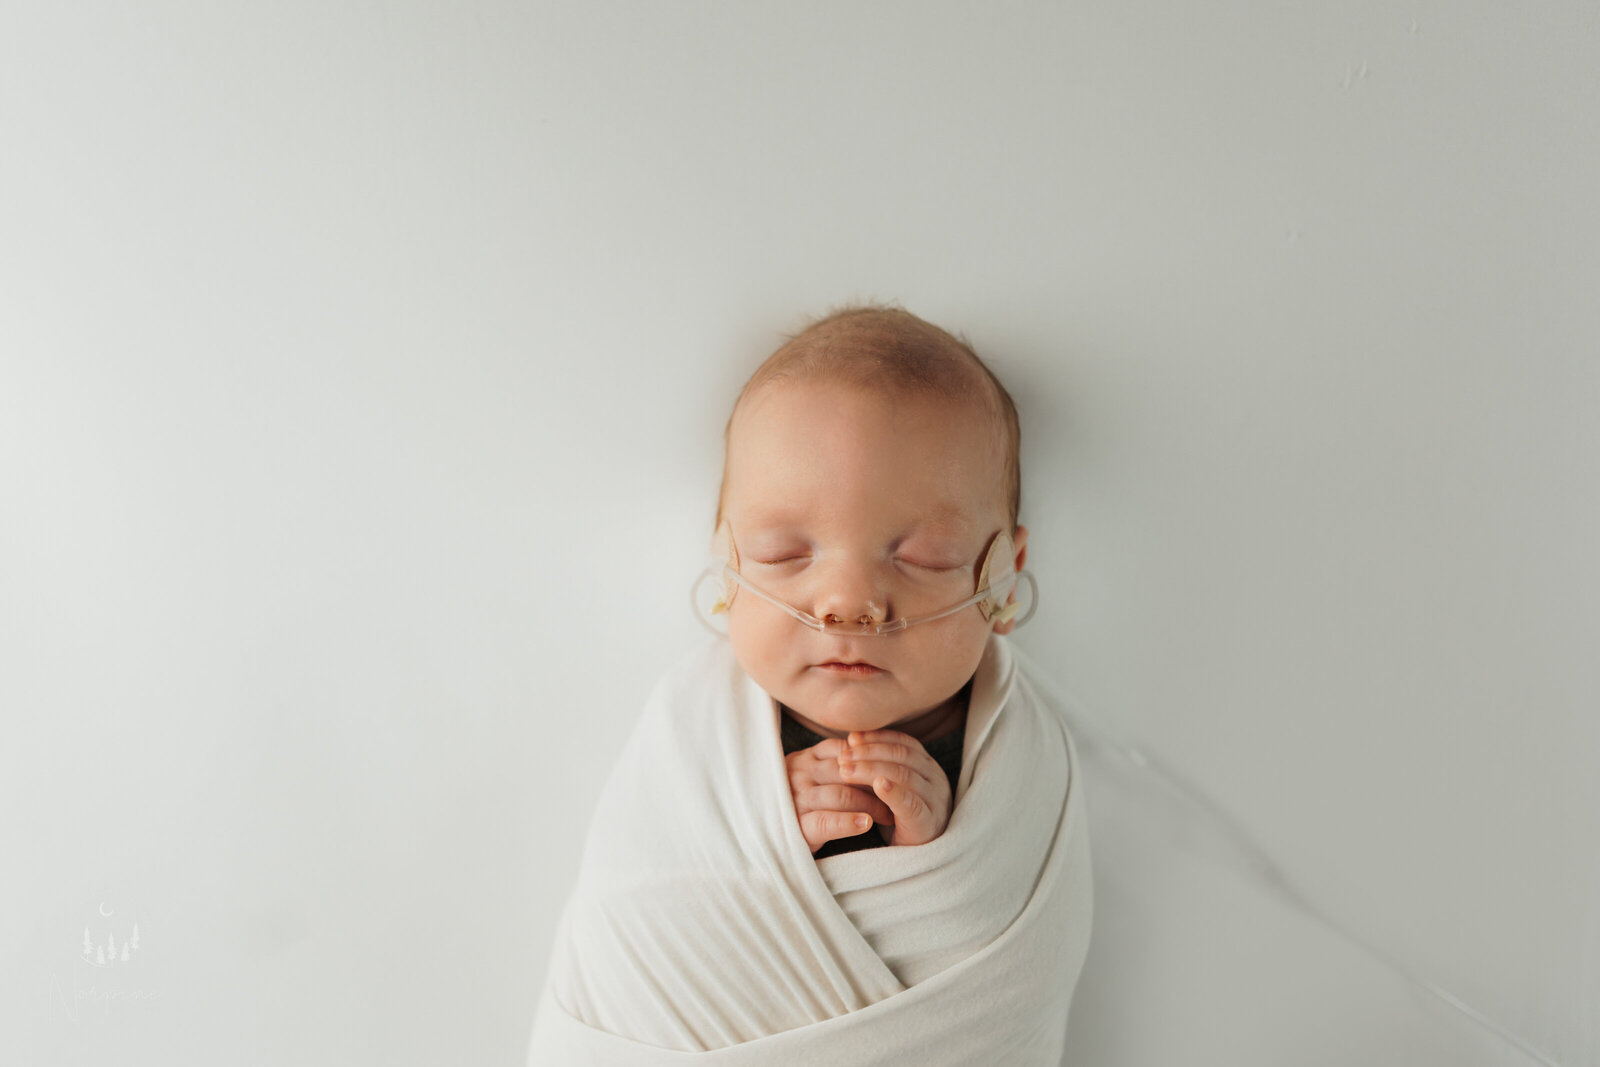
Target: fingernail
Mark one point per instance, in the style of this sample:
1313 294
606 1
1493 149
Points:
863 821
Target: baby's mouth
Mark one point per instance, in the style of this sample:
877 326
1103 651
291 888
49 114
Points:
851 668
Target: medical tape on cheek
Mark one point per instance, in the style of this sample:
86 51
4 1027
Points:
999 573
724 552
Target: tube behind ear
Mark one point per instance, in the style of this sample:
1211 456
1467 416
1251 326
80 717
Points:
723 552
999 576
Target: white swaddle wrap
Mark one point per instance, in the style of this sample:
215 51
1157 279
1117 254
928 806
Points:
701 928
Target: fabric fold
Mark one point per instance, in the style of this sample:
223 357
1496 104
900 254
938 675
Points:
702 928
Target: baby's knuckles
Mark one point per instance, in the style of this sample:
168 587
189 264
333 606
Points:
814 765
916 822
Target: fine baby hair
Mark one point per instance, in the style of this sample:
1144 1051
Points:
889 350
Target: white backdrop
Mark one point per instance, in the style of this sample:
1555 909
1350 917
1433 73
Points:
362 375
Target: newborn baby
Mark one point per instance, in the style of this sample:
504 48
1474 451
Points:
871 466
850 829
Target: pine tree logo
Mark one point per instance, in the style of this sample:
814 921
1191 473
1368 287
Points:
109 950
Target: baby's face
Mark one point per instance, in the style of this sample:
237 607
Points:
848 504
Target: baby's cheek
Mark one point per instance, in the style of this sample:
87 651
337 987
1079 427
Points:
758 651
745 646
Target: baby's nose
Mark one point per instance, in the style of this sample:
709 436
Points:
852 606
873 614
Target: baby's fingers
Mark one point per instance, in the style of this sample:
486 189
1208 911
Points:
867 771
845 798
827 748
909 808
819 763
915 819
912 755
820 827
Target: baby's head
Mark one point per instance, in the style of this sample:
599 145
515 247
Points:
871 463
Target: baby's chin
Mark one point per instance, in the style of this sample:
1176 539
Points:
844 715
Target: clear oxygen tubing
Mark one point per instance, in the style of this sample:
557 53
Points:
1243 851
869 629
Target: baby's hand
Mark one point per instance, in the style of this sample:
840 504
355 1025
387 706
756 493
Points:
829 807
905 777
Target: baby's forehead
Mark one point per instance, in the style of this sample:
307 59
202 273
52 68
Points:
798 461
867 383
848 427
953 512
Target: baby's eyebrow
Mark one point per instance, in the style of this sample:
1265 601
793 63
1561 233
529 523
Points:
951 517
945 518
775 517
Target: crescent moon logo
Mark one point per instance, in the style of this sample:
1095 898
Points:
103 912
